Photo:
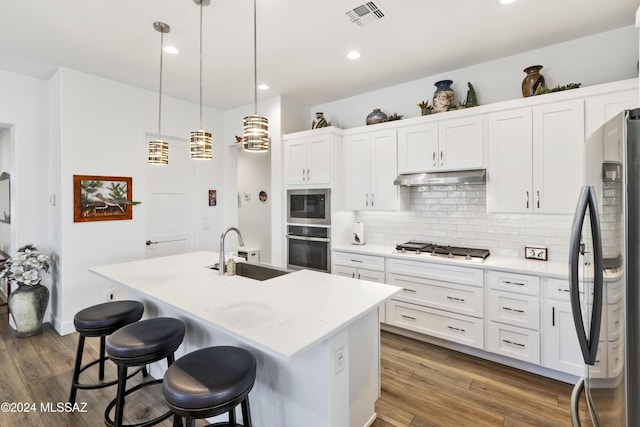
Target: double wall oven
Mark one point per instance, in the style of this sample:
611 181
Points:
309 229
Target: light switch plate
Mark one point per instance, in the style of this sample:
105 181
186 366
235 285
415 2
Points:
535 252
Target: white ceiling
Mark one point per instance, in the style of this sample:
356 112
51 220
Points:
301 43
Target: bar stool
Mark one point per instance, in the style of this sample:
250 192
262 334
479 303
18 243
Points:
138 344
210 382
99 321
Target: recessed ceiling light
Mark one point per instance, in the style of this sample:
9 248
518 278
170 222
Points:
507 1
353 55
263 86
171 50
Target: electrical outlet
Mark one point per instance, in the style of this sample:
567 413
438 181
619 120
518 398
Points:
109 294
340 359
535 252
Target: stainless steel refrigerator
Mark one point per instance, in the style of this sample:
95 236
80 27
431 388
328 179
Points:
604 275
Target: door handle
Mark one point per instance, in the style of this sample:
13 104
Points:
149 242
441 158
527 200
434 158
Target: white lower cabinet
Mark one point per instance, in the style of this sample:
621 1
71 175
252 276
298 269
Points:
438 323
363 267
513 314
561 350
438 300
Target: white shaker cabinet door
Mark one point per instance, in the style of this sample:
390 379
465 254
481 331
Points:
510 168
558 141
418 148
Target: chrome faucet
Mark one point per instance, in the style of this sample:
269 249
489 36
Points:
221 263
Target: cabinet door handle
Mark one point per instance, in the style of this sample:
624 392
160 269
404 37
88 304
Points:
366 200
527 200
441 158
513 343
515 310
407 317
353 275
455 299
371 199
356 260
304 178
453 328
434 158
538 199
553 316
308 175
413 291
359 277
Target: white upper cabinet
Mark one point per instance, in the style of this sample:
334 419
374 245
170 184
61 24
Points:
453 144
370 167
536 158
308 158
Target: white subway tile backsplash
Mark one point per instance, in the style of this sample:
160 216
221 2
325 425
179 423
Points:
456 214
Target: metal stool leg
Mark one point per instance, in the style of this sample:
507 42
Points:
122 380
76 370
102 358
246 413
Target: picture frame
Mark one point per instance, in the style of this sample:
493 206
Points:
102 198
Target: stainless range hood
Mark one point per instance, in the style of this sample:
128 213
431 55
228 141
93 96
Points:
475 176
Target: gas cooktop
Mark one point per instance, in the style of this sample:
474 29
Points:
448 251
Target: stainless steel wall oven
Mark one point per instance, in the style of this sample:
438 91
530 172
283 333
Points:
308 247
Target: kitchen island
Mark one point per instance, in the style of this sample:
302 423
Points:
315 336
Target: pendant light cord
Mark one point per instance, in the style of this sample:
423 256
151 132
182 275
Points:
255 62
201 6
160 89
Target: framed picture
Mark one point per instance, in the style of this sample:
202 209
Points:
101 198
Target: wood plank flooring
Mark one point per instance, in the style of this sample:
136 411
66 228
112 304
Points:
422 385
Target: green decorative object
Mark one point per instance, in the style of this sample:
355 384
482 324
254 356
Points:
395 116
472 100
561 88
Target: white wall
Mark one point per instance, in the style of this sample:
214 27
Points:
99 129
599 58
23 109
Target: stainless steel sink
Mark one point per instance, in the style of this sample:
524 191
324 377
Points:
257 271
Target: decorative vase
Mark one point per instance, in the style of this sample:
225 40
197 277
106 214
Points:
319 122
533 82
27 305
444 97
376 116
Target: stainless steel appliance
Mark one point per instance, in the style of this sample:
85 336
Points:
309 206
447 251
308 247
605 256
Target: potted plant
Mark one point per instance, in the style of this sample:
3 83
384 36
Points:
28 302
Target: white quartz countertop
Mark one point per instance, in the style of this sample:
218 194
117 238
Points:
282 316
555 269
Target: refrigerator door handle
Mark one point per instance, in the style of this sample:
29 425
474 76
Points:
588 345
575 404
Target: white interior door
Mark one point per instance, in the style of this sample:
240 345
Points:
169 201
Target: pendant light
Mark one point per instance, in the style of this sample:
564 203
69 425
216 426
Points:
158 150
255 129
200 140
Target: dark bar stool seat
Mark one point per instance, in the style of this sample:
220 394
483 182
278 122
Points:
210 382
138 344
100 321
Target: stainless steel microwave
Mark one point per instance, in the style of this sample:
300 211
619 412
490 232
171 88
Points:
309 206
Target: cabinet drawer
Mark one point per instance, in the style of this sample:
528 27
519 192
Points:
615 290
558 289
514 342
452 297
615 356
431 270
370 262
514 309
615 319
512 282
599 368
449 326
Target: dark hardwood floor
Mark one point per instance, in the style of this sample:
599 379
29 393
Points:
422 385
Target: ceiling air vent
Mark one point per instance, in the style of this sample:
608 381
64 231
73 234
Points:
365 14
